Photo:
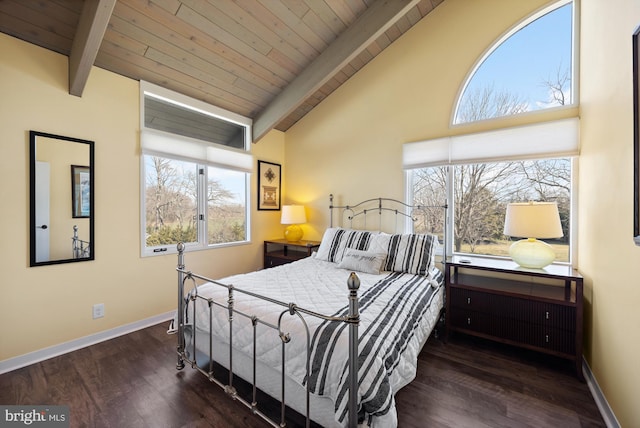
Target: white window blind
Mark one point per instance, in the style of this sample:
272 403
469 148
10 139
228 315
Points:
541 140
165 144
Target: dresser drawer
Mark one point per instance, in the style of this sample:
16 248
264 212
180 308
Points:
538 335
470 320
557 340
469 299
515 308
535 312
514 331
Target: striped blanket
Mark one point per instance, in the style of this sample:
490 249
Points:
396 318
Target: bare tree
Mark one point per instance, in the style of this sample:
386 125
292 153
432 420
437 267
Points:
216 194
157 201
548 177
485 103
558 87
429 186
550 180
170 201
481 191
226 212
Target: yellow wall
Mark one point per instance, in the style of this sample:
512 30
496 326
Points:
608 258
351 145
49 305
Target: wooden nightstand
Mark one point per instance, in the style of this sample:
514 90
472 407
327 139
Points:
544 316
280 251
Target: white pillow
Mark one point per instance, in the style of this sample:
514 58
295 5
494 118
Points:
336 240
380 243
362 261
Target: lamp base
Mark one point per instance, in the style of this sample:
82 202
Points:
531 253
293 233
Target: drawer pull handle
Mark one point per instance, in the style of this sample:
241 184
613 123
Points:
546 315
468 321
468 300
546 338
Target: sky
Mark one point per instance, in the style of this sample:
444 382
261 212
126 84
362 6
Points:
532 55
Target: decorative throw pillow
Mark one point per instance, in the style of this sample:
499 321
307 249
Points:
362 261
410 253
336 240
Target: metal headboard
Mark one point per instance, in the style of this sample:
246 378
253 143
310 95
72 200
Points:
381 205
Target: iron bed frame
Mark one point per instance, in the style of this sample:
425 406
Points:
352 319
409 213
79 248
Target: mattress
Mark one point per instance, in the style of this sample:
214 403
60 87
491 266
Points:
397 314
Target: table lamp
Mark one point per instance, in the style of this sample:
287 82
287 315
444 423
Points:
293 215
532 220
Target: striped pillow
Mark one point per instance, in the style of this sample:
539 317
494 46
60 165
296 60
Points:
336 240
410 253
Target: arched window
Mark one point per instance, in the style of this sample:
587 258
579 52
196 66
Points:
529 68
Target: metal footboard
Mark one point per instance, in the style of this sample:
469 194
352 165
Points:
352 319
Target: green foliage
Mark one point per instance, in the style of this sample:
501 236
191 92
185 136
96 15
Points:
171 205
171 235
221 231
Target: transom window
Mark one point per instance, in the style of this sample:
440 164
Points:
529 69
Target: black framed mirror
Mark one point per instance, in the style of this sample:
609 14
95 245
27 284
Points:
636 136
61 173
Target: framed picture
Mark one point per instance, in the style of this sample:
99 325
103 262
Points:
80 191
269 185
636 136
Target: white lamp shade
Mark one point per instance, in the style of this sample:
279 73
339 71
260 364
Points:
533 220
293 214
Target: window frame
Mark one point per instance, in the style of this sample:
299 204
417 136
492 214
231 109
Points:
449 189
443 148
575 72
171 97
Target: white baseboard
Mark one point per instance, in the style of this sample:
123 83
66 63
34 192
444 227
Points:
63 348
603 405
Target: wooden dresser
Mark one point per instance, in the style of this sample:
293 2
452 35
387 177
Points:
538 309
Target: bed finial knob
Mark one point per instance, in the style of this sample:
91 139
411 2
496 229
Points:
180 247
353 282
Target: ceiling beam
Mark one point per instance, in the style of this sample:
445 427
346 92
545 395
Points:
86 42
372 23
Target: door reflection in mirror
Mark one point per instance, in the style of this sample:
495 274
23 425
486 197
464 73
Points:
62 203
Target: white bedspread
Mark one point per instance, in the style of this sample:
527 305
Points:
393 327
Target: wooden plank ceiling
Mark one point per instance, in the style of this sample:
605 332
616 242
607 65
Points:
269 60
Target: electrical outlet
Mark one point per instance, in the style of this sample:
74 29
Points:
98 310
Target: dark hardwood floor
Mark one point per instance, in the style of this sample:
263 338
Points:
131 381
470 382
